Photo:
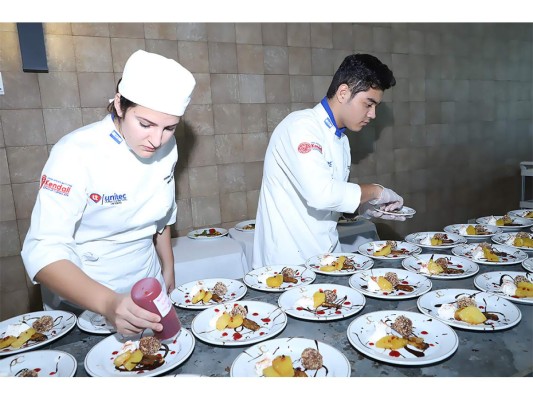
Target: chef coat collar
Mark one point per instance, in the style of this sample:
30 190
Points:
331 120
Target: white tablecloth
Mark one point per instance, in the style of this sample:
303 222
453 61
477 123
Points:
246 240
207 258
354 234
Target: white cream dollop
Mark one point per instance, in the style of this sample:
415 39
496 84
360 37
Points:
373 285
128 346
424 268
508 286
382 330
378 247
305 302
477 253
16 329
447 311
462 230
327 259
426 241
491 220
265 362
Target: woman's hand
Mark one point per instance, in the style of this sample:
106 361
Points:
130 319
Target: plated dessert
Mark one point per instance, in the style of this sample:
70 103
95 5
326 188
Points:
204 293
390 283
402 337
207 233
514 286
506 222
338 263
524 213
435 240
473 232
520 240
439 266
404 211
490 254
388 249
92 322
40 364
528 264
278 278
246 226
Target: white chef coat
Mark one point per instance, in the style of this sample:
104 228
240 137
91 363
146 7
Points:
99 206
304 190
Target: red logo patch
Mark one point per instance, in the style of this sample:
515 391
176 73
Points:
95 197
304 147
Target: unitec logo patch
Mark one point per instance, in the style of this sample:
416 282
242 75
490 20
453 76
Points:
54 185
112 199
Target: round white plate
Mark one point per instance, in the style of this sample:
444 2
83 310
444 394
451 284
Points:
298 302
99 360
367 249
420 284
198 234
442 339
64 321
360 263
404 211
271 319
468 267
514 256
256 278
521 213
528 264
502 238
243 226
417 238
455 228
91 322
182 295
490 282
521 222
47 363
508 314
335 364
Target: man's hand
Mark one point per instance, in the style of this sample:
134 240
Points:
388 200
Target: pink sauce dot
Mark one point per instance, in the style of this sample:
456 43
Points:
261 333
459 266
482 307
225 334
233 295
385 293
52 373
338 312
321 312
401 294
187 301
39 370
394 353
299 308
237 336
266 320
395 255
424 333
371 344
115 353
217 310
431 344
173 352
255 314
347 303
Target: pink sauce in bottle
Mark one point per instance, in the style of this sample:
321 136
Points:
148 294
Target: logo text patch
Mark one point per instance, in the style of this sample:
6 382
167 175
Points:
306 147
54 185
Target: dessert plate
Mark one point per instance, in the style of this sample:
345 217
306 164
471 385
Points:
271 320
468 267
298 302
528 264
490 282
508 314
442 339
513 256
92 322
64 321
519 223
419 284
99 360
252 361
207 233
406 250
525 213
359 261
404 211
256 278
246 226
507 239
47 364
421 239
183 294
456 229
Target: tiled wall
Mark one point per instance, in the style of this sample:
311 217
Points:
449 137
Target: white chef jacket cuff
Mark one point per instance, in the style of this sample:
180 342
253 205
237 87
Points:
351 198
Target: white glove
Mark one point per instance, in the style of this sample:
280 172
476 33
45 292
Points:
389 200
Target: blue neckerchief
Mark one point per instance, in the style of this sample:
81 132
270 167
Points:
331 118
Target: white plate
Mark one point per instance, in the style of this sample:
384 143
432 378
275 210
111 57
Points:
271 319
367 249
442 339
521 222
417 238
528 264
490 282
91 322
99 360
48 363
521 213
64 321
344 220
256 278
182 295
298 302
456 227
514 256
502 238
360 263
241 226
469 267
404 211
335 364
508 314
420 284
196 234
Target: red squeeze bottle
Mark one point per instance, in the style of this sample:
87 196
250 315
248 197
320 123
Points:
148 294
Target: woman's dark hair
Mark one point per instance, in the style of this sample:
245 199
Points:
361 72
125 104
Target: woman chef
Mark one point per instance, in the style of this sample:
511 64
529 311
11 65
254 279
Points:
307 164
107 198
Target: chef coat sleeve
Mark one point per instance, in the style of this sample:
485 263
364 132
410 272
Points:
60 203
299 154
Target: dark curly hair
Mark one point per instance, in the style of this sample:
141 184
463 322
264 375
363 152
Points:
361 72
125 104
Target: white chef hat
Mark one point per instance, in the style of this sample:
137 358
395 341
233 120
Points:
156 82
